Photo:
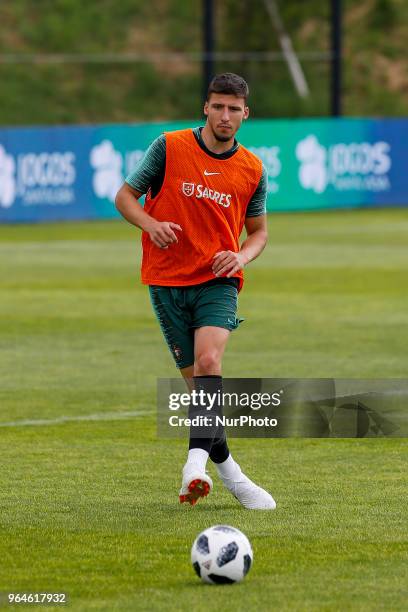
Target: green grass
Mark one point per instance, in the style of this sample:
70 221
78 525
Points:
89 507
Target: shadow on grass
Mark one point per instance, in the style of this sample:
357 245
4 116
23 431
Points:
194 584
212 508
199 507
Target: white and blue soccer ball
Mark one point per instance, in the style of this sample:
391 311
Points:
221 555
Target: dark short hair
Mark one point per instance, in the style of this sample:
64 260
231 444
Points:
229 83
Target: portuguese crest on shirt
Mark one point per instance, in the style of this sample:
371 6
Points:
200 191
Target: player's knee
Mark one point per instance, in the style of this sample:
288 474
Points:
207 362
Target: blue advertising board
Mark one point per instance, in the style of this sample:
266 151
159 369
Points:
62 173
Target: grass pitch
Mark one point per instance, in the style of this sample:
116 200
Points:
89 495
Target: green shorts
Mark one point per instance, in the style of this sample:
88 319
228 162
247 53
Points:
181 310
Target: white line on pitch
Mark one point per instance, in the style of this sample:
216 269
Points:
102 416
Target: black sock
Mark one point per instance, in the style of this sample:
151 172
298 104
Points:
215 444
208 384
219 450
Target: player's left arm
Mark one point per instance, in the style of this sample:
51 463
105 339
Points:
228 262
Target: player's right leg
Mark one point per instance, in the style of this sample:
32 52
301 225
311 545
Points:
196 482
209 346
170 305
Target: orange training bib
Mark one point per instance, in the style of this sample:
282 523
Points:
208 198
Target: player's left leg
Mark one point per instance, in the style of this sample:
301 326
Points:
209 346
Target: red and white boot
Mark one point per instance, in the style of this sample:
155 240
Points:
196 483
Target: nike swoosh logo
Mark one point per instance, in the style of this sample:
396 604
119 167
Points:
210 173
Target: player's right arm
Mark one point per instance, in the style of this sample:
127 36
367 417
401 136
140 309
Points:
127 203
148 174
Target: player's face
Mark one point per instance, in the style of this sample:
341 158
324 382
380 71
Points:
225 114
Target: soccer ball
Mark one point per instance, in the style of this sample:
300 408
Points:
221 555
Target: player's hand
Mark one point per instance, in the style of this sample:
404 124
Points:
162 235
228 263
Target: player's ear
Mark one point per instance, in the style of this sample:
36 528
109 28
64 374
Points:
246 112
206 108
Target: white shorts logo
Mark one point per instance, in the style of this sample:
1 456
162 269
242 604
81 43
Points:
188 189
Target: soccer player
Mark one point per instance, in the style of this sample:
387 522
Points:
201 188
